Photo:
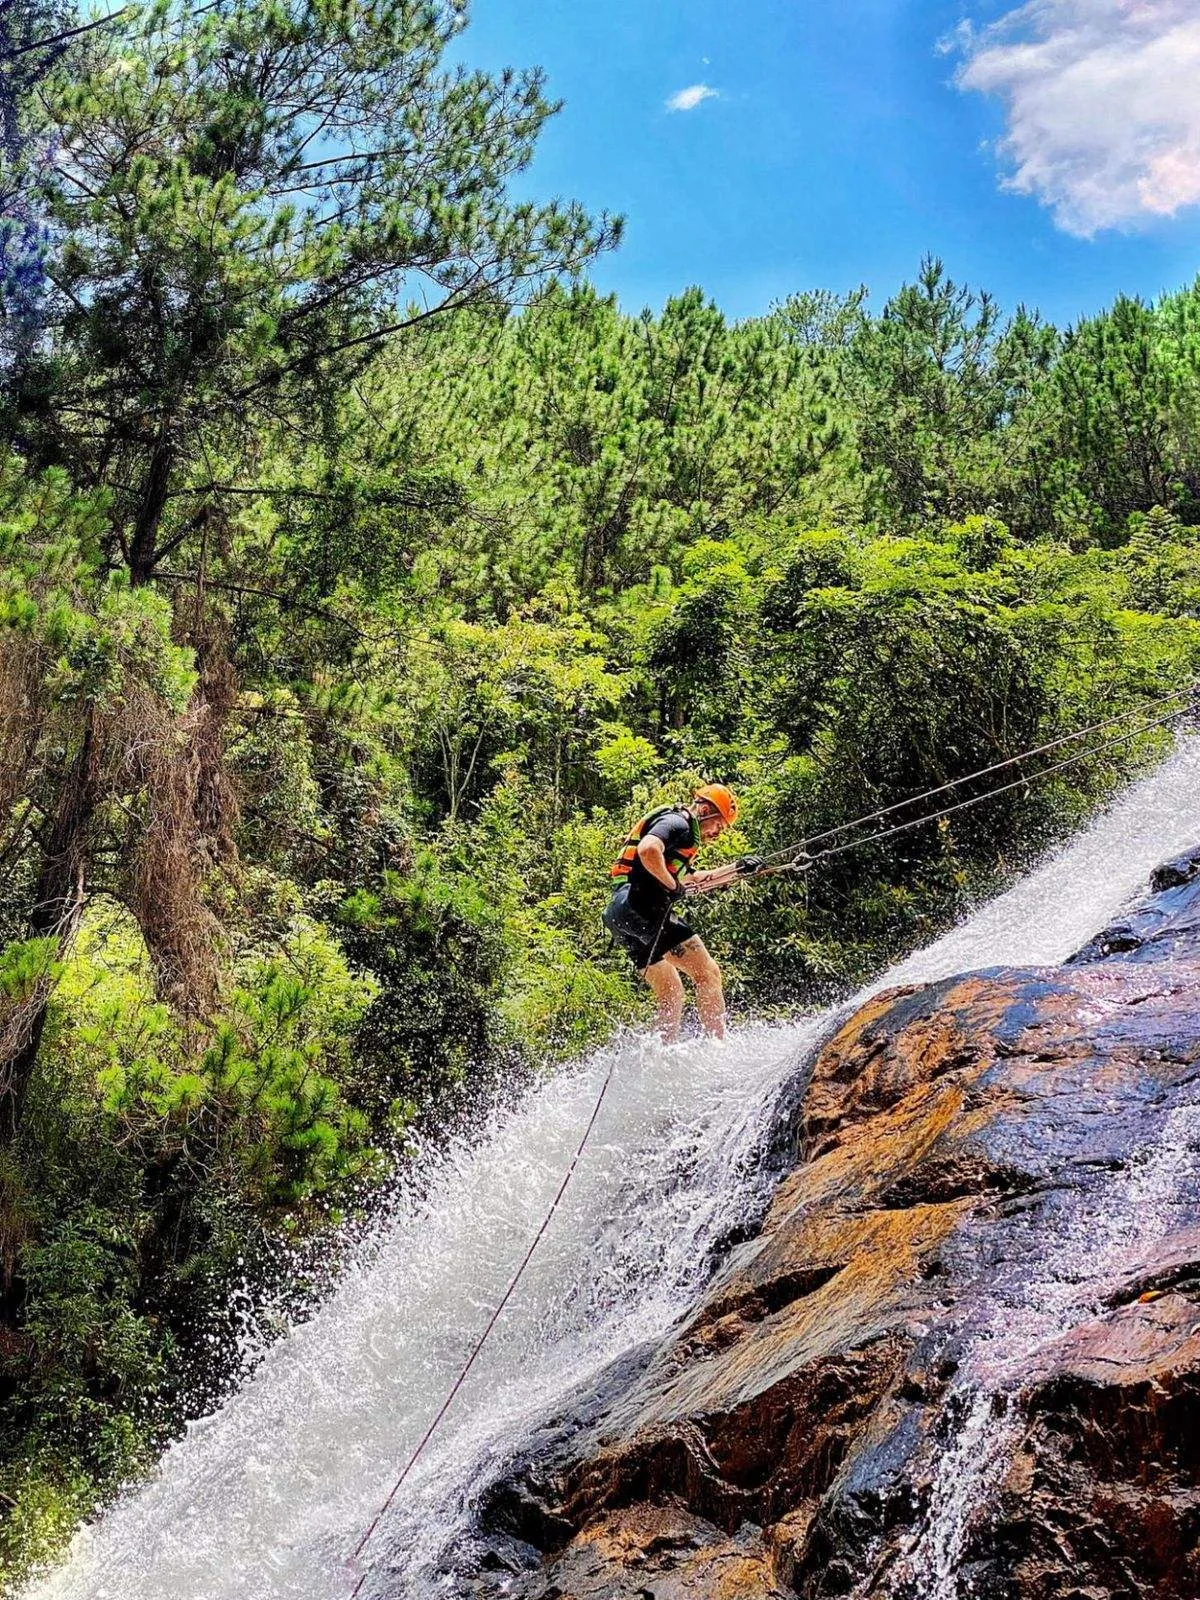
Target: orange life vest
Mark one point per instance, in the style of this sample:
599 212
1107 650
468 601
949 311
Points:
678 861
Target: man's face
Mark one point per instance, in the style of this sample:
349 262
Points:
712 826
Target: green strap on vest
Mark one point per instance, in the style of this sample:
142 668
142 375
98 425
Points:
678 862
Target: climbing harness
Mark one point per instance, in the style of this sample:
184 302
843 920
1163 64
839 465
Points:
798 858
484 1336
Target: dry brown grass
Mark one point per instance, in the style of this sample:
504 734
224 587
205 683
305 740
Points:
19 1021
157 786
190 812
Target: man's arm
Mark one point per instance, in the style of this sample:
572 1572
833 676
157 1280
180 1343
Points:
711 878
653 856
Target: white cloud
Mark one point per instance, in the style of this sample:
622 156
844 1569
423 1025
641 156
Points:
1103 105
689 99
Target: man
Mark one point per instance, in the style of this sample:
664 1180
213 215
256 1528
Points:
652 867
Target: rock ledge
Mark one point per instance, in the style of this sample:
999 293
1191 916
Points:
962 1356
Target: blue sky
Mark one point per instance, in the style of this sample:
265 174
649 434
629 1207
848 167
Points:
844 138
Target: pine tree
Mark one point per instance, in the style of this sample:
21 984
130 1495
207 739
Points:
1107 402
935 382
246 202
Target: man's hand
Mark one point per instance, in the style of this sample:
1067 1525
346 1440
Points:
749 866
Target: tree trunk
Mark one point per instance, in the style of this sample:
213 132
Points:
58 903
143 547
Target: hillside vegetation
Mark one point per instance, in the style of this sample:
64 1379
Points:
364 572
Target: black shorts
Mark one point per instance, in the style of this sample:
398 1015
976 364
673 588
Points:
646 940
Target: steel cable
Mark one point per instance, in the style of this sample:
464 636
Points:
802 860
983 772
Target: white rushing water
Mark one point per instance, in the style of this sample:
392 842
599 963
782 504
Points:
264 1500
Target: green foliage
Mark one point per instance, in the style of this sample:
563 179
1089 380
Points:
431 939
939 384
258 1109
364 573
26 964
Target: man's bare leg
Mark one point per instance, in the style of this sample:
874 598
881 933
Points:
668 991
694 961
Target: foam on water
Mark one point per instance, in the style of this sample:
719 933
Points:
266 1498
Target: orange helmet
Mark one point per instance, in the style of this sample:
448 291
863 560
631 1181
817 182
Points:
721 799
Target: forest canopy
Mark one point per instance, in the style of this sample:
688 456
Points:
364 572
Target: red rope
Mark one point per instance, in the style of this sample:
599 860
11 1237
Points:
483 1338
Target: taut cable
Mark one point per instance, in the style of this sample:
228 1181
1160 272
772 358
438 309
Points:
984 772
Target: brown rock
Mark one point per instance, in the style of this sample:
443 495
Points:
933 1372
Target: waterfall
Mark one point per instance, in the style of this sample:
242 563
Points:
265 1498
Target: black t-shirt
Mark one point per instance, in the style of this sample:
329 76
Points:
646 895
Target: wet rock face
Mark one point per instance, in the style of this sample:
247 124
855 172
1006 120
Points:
962 1356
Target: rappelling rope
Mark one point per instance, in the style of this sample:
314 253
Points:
801 859
984 772
484 1336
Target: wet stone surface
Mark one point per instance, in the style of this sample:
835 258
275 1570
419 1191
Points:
962 1355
